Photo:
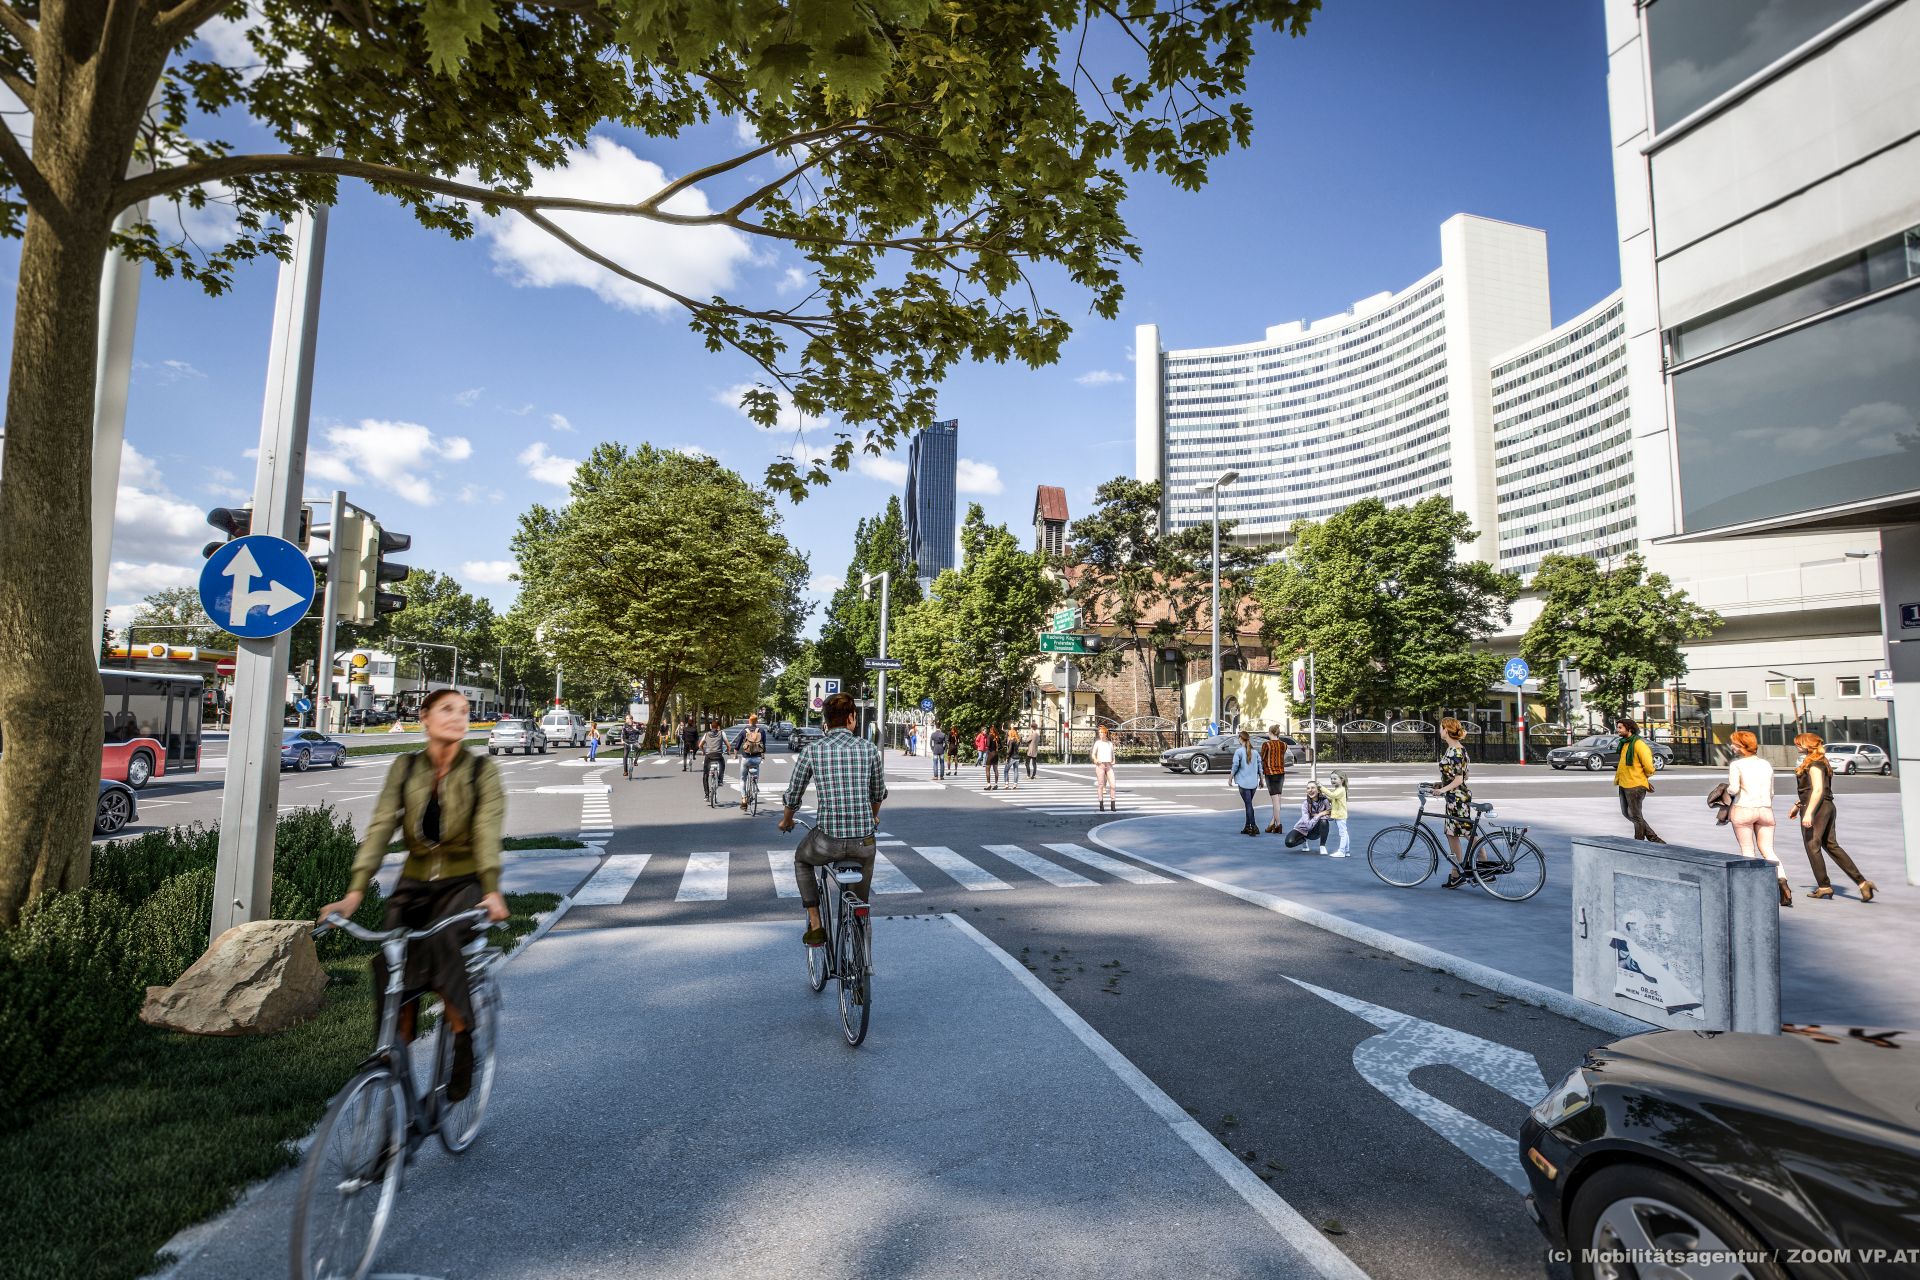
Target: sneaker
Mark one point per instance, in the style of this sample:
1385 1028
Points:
460 1079
1339 855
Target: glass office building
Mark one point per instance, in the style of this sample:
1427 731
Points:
932 460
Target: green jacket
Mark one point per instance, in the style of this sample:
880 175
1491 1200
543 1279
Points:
473 806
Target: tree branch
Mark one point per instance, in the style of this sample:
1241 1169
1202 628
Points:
20 29
27 176
187 17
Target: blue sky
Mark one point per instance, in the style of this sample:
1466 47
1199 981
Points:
455 381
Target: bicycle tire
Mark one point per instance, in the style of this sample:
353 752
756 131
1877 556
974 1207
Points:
818 968
361 1145
1397 852
1516 874
856 989
460 1121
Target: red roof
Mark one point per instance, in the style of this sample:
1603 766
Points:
1050 503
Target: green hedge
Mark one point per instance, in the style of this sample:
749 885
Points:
74 970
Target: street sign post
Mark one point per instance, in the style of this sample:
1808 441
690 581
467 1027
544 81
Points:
1517 671
884 664
1067 619
1056 642
257 587
926 704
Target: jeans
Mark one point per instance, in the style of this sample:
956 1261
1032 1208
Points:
817 850
939 766
1033 764
1631 798
1339 835
1818 836
1246 798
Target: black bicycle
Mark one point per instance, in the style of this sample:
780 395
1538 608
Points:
630 758
351 1173
713 774
1500 860
750 784
847 954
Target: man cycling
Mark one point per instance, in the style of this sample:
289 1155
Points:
689 743
630 745
852 782
751 748
713 751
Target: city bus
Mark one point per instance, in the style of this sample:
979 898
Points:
151 725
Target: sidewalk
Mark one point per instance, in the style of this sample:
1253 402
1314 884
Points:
674 1102
1842 962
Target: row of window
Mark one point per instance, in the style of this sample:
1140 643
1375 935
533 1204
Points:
1736 700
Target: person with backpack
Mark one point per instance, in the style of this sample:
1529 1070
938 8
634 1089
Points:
752 749
1273 768
939 745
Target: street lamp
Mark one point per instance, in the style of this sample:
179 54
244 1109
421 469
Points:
885 579
1214 487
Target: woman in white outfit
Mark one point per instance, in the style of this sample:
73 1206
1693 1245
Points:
1750 788
1103 769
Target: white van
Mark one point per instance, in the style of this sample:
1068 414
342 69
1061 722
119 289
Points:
564 729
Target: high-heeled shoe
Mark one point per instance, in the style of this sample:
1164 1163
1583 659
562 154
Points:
1786 894
1867 889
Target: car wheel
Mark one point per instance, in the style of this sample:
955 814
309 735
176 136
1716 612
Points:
1557 766
1852 767
1593 764
111 814
339 757
1886 768
493 751
303 761
1659 763
1198 764
1633 1207
139 770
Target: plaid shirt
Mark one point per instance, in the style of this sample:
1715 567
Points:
851 781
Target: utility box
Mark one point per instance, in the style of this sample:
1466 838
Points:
1681 938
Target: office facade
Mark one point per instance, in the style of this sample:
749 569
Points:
932 462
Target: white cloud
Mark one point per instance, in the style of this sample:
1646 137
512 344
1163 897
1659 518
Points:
149 522
743 133
695 261
470 397
977 477
558 421
691 450
479 493
492 573
890 470
396 455
548 468
792 280
825 584
788 418
805 454
128 579
1100 378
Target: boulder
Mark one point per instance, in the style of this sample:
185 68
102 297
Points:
256 978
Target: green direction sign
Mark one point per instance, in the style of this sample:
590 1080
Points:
1066 620
1058 643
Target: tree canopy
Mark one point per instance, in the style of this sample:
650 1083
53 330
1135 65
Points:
1620 626
850 631
1395 620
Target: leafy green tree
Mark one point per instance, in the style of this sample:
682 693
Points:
850 631
623 582
971 645
1620 626
1394 619
1124 572
173 608
789 694
925 158
439 611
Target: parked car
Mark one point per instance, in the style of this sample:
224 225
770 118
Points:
1215 754
369 716
803 735
781 731
516 735
1804 1144
115 807
564 728
1859 757
1602 751
304 748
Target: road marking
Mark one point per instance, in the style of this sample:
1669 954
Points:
1305 1239
573 789
963 872
705 879
1388 1061
780 862
1112 866
612 882
1034 864
888 878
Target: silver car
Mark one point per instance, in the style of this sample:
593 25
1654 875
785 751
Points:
1859 757
516 735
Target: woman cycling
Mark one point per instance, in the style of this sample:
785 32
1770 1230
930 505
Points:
449 806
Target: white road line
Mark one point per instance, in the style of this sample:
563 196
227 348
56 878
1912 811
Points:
1302 1236
1112 866
888 878
613 881
885 842
780 862
963 872
1034 864
705 879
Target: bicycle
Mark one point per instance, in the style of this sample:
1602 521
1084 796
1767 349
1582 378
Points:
351 1174
1501 860
847 954
629 759
750 785
713 775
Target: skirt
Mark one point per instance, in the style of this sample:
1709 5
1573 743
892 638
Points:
436 964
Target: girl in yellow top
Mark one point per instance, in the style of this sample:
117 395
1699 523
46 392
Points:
1335 791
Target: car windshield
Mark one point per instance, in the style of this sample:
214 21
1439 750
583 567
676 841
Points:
1600 740
515 725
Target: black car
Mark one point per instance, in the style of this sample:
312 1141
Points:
1602 751
1215 754
115 807
1805 1143
804 736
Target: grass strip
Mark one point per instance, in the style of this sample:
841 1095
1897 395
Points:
97 1179
516 842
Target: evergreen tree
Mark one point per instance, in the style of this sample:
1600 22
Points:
850 630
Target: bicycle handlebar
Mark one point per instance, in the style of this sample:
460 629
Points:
476 917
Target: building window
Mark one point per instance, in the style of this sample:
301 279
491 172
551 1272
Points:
1777 690
1699 49
1166 670
1737 700
1715 702
1849 686
1656 704
1804 688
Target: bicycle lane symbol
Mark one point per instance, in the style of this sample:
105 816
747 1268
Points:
1406 1043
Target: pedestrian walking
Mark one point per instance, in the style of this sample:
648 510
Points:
1103 753
937 744
913 739
953 751
1453 785
1010 758
1750 788
1336 793
1634 776
1273 767
1247 777
1311 826
1033 752
1813 777
593 742
993 758
980 750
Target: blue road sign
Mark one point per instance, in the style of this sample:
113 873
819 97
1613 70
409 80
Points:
257 586
303 706
1517 671
926 704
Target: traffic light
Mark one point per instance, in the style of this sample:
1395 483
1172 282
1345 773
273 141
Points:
360 550
237 522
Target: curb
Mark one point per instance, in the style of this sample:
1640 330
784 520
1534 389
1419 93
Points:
1552 999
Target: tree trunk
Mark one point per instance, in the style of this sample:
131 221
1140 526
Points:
49 685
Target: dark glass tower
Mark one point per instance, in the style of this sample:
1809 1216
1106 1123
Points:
931 461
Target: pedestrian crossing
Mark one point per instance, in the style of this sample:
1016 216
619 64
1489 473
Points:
720 876
1067 796
596 808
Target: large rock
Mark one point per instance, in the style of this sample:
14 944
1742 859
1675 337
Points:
259 977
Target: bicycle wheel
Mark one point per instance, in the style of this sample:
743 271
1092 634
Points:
349 1179
1515 868
856 985
1402 855
460 1121
818 967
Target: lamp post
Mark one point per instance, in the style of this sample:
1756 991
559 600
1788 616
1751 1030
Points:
1214 487
885 579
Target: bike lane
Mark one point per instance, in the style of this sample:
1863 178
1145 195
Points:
673 1101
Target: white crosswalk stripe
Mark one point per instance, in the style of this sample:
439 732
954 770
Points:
1112 866
1034 864
705 879
613 881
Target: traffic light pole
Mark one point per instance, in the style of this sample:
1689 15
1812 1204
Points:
250 803
329 612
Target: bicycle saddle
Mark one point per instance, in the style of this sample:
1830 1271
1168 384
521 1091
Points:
1483 808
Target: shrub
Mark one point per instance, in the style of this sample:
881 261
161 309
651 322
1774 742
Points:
67 998
134 870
